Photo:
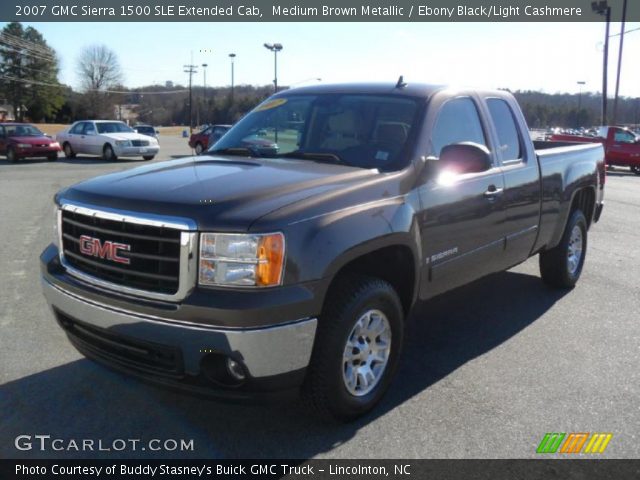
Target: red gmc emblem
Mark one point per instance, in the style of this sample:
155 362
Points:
108 250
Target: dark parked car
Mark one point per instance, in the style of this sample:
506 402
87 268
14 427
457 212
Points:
148 130
249 272
21 140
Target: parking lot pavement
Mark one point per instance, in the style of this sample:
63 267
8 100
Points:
487 369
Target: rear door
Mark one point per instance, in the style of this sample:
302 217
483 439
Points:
521 199
462 218
74 137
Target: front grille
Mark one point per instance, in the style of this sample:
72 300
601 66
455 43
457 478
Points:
140 143
124 350
154 253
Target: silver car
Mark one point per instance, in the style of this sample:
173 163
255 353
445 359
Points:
108 139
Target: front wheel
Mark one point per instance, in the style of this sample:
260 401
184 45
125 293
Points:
635 169
357 348
562 265
52 157
148 157
108 154
199 148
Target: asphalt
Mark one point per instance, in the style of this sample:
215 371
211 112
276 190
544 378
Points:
487 369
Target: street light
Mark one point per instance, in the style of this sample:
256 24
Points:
204 93
581 83
275 48
232 56
602 8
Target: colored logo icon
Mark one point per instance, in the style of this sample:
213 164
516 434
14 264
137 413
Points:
574 442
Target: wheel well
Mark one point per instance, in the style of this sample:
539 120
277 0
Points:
394 265
584 200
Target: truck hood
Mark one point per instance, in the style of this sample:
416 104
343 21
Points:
218 192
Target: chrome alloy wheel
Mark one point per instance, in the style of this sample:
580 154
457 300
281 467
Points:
574 251
366 353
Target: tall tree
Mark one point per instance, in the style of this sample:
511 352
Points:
99 71
29 73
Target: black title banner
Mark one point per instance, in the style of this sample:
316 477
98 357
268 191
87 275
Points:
320 469
311 11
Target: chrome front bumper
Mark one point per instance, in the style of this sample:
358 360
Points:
265 352
136 151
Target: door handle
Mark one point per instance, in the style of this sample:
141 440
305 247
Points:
493 192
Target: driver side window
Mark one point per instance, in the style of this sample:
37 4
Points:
458 121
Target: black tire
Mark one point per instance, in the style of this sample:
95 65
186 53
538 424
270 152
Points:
108 155
555 266
199 148
11 155
148 157
68 151
349 299
636 169
52 157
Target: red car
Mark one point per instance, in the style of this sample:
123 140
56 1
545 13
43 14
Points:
621 146
21 140
199 141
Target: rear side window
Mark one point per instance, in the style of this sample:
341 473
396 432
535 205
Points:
78 128
505 124
458 121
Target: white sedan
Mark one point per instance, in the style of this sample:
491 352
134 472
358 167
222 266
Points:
106 138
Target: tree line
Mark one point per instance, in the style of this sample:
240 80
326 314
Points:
29 83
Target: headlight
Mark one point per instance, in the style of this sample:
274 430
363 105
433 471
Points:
23 145
54 145
123 143
233 259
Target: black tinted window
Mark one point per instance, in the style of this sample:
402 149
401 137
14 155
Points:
506 128
458 121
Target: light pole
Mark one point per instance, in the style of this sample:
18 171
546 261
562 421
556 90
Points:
602 8
232 56
275 48
615 98
581 83
204 92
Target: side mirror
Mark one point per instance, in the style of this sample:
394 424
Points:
157 132
465 157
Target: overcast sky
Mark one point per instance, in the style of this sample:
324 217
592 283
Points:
550 57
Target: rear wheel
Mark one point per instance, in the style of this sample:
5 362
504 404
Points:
199 148
108 154
636 169
148 157
562 265
12 156
68 151
357 348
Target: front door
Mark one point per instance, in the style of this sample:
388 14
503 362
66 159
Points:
462 216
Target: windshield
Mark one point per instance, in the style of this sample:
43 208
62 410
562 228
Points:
368 131
113 127
22 131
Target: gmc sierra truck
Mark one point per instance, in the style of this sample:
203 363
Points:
249 272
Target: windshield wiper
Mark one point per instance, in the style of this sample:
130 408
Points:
320 156
236 151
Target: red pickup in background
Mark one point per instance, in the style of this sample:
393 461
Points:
621 146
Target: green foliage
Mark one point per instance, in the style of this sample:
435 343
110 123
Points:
29 73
